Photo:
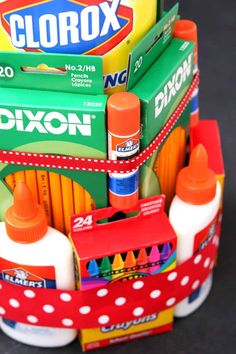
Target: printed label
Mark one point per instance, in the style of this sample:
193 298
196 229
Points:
29 276
76 27
53 122
173 86
126 325
201 240
123 148
125 184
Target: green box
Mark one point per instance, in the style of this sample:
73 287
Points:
160 90
62 123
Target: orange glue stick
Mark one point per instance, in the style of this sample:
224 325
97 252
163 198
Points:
123 111
187 30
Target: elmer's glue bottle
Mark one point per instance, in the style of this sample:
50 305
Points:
37 256
123 110
193 215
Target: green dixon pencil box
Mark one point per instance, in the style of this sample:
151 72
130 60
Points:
160 90
58 109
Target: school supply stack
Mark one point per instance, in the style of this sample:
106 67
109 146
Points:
100 140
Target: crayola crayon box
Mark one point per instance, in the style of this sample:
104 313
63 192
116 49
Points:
140 246
53 104
160 90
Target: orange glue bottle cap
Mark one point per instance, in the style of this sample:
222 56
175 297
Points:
187 30
25 220
196 183
123 110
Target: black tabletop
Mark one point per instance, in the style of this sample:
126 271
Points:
212 329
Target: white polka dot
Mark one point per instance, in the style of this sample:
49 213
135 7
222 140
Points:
67 322
185 280
65 297
48 308
103 319
32 319
120 301
212 265
138 311
196 284
102 292
0 286
155 294
138 285
207 262
172 276
84 310
2 311
215 240
14 303
29 293
198 259
171 301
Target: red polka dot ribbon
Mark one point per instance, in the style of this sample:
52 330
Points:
112 304
99 165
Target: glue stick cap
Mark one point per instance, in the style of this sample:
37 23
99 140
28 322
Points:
123 110
25 220
196 183
187 30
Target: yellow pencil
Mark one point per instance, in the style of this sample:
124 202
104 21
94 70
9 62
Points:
44 193
31 181
20 176
68 201
89 203
79 202
56 200
11 181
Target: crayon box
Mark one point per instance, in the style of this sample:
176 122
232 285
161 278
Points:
143 244
53 104
160 90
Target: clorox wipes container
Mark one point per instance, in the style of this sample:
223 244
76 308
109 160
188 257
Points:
108 28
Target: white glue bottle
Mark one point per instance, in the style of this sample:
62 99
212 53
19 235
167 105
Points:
34 255
193 215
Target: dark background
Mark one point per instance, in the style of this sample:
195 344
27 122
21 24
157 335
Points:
212 329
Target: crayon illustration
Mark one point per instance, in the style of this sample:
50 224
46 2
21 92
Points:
130 263
57 203
106 268
142 261
93 268
154 258
117 267
165 253
44 193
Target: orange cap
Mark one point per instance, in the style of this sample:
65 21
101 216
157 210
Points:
196 184
123 110
25 220
186 29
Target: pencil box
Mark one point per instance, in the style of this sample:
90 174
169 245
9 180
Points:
75 125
